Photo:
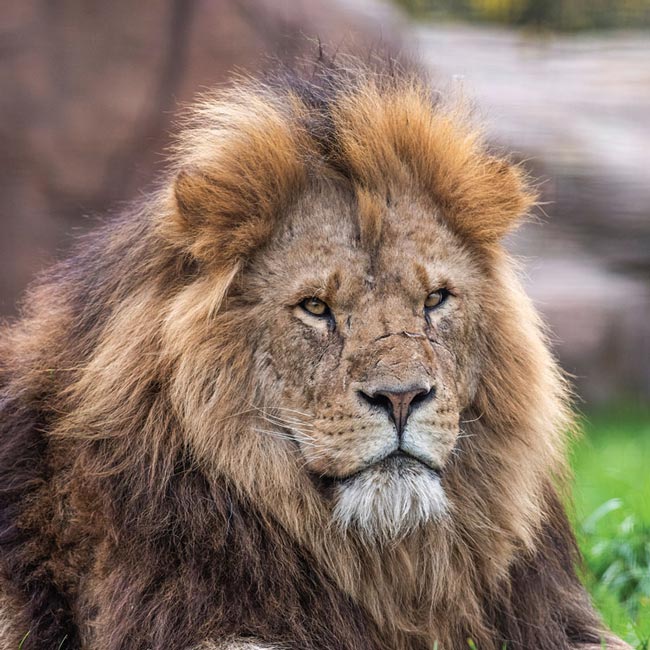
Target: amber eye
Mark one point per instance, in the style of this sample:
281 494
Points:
315 307
436 298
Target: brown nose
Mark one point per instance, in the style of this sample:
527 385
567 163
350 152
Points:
397 402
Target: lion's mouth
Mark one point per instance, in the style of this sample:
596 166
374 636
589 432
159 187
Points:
399 462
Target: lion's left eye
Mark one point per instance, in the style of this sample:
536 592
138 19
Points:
315 307
436 298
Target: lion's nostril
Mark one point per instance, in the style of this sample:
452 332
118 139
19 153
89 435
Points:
376 399
422 395
398 402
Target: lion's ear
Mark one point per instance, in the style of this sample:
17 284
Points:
492 202
193 193
217 217
239 165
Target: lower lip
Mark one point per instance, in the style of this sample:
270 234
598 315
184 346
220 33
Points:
402 458
398 459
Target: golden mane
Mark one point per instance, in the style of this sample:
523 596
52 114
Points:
273 137
131 356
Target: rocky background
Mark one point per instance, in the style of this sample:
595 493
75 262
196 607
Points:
89 91
576 109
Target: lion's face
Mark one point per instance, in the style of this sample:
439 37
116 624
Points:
360 322
371 345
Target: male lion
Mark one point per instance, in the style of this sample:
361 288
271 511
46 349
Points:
296 400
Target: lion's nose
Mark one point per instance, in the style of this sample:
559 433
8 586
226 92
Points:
398 402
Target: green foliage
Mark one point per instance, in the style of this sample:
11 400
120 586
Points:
565 15
612 517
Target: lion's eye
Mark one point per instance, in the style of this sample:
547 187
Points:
315 307
436 298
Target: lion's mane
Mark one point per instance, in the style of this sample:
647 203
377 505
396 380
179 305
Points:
136 511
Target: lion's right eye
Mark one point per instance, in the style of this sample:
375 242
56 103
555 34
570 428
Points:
435 299
316 307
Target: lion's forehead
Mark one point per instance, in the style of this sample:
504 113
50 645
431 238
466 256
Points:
318 246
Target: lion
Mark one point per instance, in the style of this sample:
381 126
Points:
295 399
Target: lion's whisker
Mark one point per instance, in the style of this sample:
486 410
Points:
283 420
474 420
298 436
281 408
280 436
284 423
287 425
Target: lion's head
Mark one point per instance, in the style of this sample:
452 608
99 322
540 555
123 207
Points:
306 363
353 311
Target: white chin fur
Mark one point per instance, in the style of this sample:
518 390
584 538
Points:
388 501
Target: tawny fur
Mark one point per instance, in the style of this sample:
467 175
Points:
175 428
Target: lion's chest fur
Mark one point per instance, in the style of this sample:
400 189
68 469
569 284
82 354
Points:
206 564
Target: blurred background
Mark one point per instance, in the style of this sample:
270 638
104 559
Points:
88 95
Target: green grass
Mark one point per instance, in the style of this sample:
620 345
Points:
612 518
